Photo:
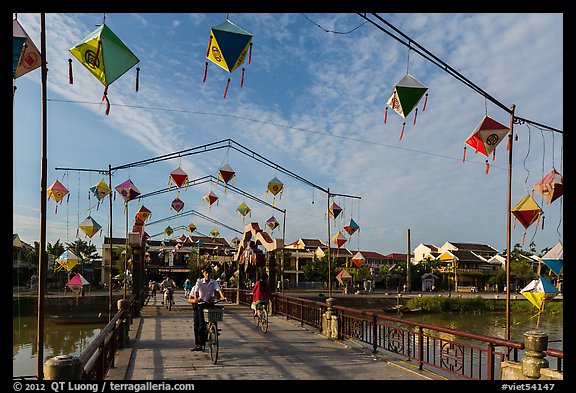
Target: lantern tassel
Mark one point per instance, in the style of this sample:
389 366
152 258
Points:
514 222
70 77
425 101
95 60
543 222
523 238
205 71
105 97
487 166
493 155
242 78
137 78
402 132
209 44
415 115
464 154
385 115
508 145
250 54
226 90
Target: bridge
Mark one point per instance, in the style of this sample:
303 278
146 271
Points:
160 343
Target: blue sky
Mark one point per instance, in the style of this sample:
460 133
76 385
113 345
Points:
313 102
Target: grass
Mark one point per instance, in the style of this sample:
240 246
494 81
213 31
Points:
478 304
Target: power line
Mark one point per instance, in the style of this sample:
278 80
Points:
348 138
416 47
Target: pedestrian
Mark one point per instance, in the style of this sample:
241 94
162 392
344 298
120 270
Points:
202 297
154 288
187 287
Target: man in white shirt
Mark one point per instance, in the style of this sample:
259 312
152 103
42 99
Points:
202 295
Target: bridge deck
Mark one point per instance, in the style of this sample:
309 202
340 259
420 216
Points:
160 342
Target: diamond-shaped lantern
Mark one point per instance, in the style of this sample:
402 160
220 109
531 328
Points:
191 227
227 174
143 213
272 223
406 95
486 136
551 186
90 227
526 212
177 204
169 231
227 48
351 227
57 191
128 190
210 198
178 177
339 239
100 190
105 56
358 259
275 187
214 233
334 210
243 209
27 57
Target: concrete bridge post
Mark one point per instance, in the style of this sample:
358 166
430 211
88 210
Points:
330 321
63 367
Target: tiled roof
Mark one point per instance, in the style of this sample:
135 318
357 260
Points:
474 247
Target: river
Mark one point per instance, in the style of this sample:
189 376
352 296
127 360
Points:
72 339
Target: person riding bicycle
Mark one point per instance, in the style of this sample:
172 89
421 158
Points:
168 285
261 293
202 295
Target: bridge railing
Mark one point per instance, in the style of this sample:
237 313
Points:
458 353
99 356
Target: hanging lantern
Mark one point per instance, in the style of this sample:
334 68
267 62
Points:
339 239
486 136
90 227
358 259
227 174
227 47
334 210
143 213
272 223
100 190
210 198
551 186
177 204
191 227
178 177
128 190
351 227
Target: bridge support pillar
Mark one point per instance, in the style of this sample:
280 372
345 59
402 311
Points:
534 365
63 367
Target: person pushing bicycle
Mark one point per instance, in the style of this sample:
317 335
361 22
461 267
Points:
261 293
202 296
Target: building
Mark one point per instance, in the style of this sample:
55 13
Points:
463 267
22 270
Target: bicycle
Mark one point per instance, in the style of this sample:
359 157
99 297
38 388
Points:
212 315
260 317
168 298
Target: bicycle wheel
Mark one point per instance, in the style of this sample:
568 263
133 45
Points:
264 320
256 318
213 342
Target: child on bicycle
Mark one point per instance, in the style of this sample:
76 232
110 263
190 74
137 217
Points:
202 296
261 293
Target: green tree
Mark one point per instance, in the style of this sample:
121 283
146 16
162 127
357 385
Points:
55 250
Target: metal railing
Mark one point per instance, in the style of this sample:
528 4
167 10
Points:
452 352
99 356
